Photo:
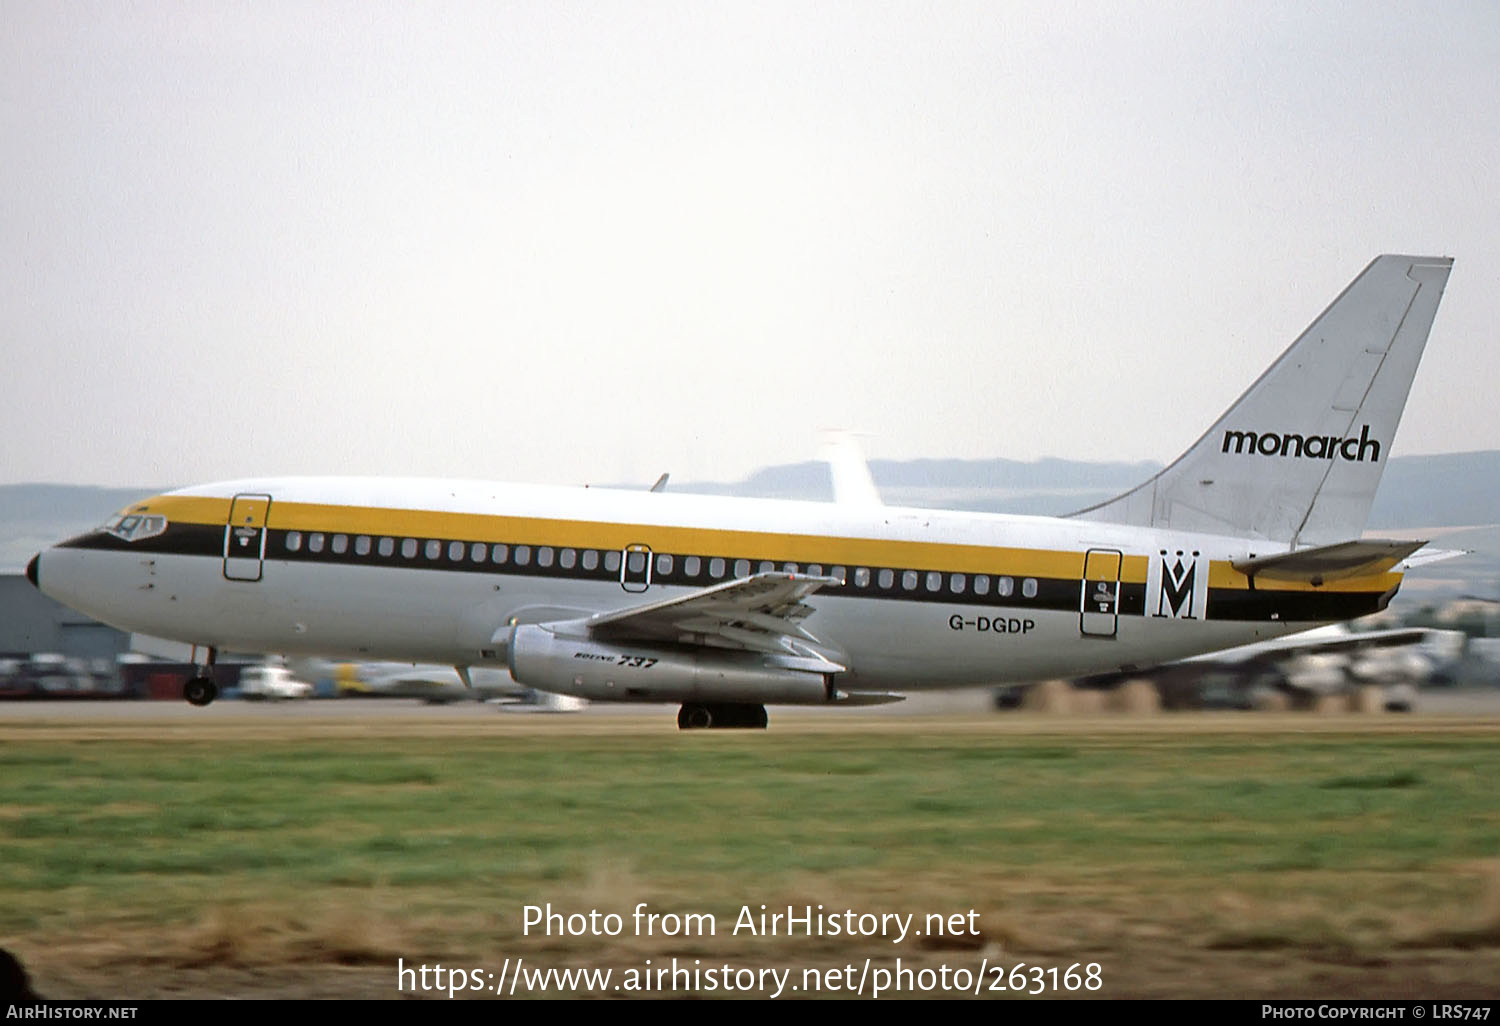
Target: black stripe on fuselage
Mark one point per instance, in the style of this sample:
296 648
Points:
1053 594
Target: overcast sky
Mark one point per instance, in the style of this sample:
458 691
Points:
597 241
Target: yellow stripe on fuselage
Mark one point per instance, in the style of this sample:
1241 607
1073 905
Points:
827 550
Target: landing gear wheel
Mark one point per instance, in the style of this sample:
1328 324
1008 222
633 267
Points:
695 717
721 715
200 690
749 716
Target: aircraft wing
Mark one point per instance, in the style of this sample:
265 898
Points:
760 613
1394 638
1319 641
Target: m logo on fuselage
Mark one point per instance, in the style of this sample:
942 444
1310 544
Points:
1177 585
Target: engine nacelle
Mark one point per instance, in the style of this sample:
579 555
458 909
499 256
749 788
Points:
540 659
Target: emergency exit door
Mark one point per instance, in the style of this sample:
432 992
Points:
635 568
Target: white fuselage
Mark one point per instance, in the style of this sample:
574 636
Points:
412 570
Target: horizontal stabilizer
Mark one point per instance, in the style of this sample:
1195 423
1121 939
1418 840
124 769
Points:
1330 562
1424 556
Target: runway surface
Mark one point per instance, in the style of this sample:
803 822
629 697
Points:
968 710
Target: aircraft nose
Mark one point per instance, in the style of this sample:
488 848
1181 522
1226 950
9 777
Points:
32 573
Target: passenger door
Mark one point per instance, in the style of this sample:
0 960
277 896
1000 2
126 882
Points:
245 537
1099 599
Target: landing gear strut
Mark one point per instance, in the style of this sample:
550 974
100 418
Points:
721 714
201 689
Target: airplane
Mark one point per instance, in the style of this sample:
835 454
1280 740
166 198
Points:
1293 671
438 685
726 605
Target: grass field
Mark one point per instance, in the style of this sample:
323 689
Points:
1187 856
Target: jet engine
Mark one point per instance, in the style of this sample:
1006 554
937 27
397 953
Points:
570 665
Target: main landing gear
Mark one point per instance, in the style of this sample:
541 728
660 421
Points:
201 689
721 714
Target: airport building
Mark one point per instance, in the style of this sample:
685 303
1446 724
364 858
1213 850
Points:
33 624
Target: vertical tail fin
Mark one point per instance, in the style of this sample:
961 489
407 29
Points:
1298 457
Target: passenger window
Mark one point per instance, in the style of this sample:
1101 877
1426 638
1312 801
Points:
499 553
433 549
862 577
567 558
340 544
716 567
362 545
841 573
636 561
315 543
1005 587
293 541
408 548
909 580
742 568
477 552
956 584
1028 587
612 560
691 566
544 556
887 578
523 555
790 568
934 581
455 551
590 559
387 546
981 584
766 566
664 563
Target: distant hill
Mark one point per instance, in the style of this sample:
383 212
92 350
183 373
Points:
1439 491
33 516
1451 490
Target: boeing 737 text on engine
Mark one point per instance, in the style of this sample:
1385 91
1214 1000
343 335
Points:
724 606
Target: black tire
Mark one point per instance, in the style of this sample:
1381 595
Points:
722 716
745 717
200 691
696 717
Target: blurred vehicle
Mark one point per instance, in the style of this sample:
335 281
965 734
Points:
48 675
274 683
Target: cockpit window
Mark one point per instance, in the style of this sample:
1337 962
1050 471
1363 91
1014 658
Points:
133 527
